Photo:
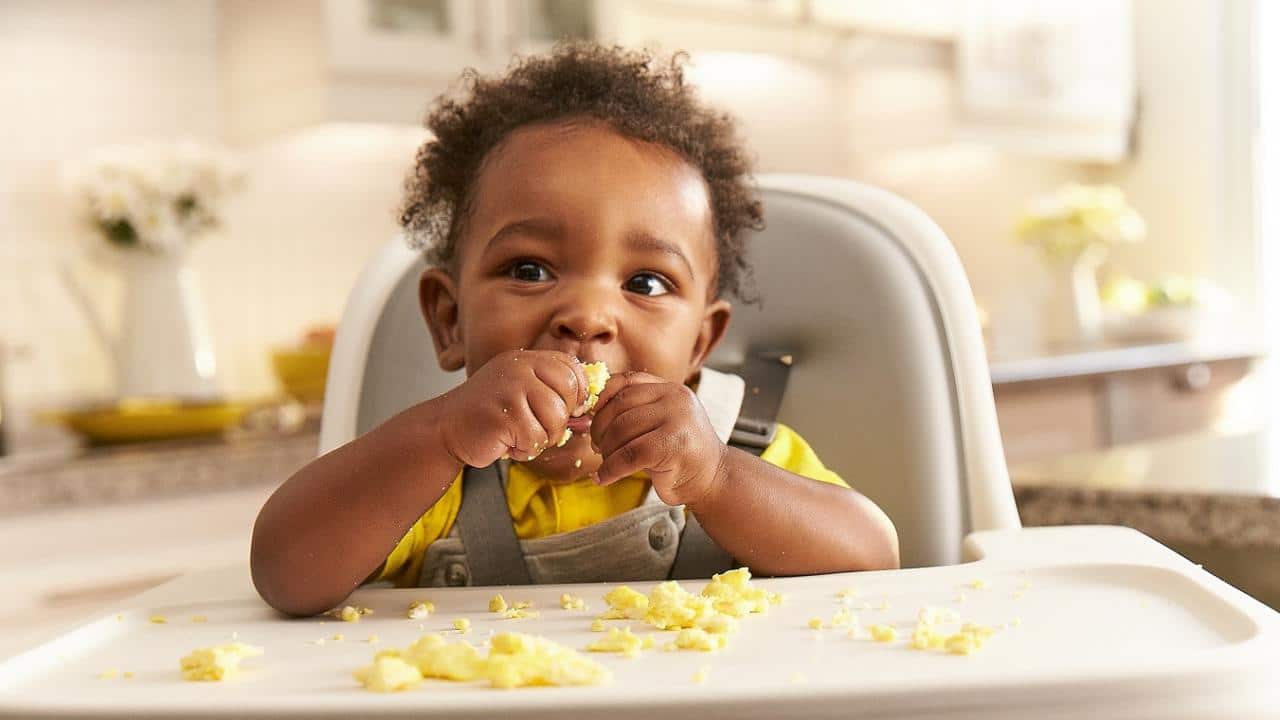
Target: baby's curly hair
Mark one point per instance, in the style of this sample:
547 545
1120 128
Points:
629 91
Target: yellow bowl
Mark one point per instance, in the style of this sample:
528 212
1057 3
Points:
302 371
148 419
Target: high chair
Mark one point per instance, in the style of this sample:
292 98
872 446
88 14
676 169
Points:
889 381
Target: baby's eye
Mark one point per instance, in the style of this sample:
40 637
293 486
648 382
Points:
528 271
648 284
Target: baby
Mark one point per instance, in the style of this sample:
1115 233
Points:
583 208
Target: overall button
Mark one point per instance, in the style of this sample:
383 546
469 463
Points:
661 533
456 575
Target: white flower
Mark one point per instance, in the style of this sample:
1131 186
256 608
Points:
156 196
1079 218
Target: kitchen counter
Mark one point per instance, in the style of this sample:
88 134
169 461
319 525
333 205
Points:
1208 489
1043 364
1214 497
109 475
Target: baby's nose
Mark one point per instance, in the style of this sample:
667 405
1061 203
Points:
584 323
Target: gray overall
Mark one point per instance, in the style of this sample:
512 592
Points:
654 541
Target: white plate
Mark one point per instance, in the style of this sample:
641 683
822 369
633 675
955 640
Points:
1111 625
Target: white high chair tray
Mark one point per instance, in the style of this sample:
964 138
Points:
1112 625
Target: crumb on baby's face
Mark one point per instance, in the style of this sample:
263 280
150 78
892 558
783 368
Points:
581 240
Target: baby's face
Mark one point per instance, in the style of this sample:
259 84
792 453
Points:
583 241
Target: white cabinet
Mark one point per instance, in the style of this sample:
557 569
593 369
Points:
1050 77
929 19
414 37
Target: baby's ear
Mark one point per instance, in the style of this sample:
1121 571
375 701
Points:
715 321
438 297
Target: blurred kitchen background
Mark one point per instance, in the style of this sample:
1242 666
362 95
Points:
1101 167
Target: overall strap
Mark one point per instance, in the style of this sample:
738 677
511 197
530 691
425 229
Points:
765 375
484 524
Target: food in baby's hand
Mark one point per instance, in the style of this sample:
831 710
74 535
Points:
597 376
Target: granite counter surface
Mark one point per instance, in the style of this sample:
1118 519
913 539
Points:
147 472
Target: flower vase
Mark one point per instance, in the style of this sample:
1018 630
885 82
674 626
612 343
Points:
163 346
1073 308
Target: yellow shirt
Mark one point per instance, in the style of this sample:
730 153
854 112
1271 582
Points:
540 508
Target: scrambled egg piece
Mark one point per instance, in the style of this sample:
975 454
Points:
388 674
517 660
517 613
978 584
564 438
462 625
436 658
815 623
701 675
497 604
199 619
699 639
844 617
597 625
108 674
621 641
597 376
733 594
625 604
420 610
963 644
514 660
572 602
709 617
216 663
159 619
671 607
720 625
925 637
353 614
883 633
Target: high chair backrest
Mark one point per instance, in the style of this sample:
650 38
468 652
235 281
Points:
889 381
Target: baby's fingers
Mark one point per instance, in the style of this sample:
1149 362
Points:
641 453
622 381
527 437
564 375
620 402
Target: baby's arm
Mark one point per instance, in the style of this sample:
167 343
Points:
774 521
332 524
780 523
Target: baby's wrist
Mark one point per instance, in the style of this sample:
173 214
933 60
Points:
716 479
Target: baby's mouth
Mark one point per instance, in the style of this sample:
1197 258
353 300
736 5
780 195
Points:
580 425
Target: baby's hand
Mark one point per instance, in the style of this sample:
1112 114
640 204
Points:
643 422
518 404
